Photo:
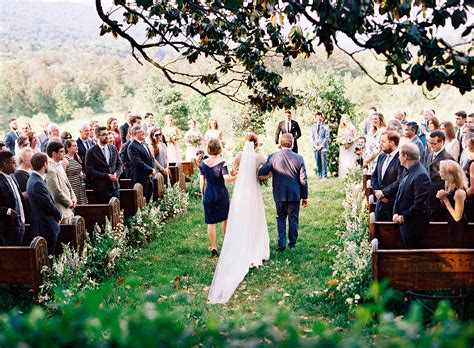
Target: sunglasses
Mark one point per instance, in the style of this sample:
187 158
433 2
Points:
157 135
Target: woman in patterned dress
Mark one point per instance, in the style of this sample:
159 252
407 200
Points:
74 171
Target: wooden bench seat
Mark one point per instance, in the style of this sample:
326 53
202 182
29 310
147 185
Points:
428 269
97 214
125 183
73 233
177 176
388 235
23 264
188 168
130 199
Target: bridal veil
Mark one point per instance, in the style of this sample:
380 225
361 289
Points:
246 242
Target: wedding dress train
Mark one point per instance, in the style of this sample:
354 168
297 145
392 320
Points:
246 242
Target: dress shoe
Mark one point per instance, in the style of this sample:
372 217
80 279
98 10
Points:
280 249
292 247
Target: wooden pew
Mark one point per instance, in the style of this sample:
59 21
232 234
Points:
177 176
188 168
97 213
388 235
23 264
125 183
158 187
130 199
72 233
427 269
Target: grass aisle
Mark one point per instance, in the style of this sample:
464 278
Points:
291 279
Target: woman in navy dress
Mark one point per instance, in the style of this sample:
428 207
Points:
214 176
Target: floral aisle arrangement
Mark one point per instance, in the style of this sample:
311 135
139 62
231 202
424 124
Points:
351 269
75 271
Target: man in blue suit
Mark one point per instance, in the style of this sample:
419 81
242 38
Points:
142 168
290 186
45 216
12 135
411 210
320 140
386 176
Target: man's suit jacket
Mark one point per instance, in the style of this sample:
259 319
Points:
44 213
295 131
388 185
42 137
81 149
9 230
416 140
98 170
61 191
124 132
412 203
290 182
10 140
437 210
320 137
141 166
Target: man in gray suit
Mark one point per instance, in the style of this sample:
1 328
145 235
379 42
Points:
290 186
320 139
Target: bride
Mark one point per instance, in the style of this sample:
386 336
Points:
246 242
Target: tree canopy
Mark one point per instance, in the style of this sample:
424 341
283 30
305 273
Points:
241 40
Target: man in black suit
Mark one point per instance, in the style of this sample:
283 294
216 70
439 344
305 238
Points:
288 126
411 209
12 203
386 176
141 161
437 153
12 135
83 142
103 167
124 128
45 216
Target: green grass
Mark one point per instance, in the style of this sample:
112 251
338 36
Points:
291 279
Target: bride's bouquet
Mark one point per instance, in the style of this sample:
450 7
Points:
193 139
346 142
171 136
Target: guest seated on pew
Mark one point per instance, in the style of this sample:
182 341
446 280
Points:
103 166
386 176
12 203
437 153
45 216
411 209
453 197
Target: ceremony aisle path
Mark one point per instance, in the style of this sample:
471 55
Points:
177 270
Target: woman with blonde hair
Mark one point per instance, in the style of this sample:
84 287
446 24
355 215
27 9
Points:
193 140
346 137
172 135
451 144
453 197
213 130
372 149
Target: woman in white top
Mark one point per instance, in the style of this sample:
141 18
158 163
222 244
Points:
172 136
346 136
451 144
372 149
193 140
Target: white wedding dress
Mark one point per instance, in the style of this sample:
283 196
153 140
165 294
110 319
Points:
246 242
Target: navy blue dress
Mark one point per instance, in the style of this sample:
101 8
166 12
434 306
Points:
216 197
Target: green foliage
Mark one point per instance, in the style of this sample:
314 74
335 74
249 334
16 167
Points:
327 93
249 120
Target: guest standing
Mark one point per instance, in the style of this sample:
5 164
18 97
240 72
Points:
411 209
192 139
12 203
288 126
74 171
213 131
213 177
45 216
320 141
469 171
411 130
12 135
124 129
142 162
451 144
372 149
158 150
347 135
453 197
172 136
103 166
112 126
22 174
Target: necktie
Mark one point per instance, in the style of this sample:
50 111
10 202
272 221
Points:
146 148
458 134
385 165
288 126
18 204
318 128
16 133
